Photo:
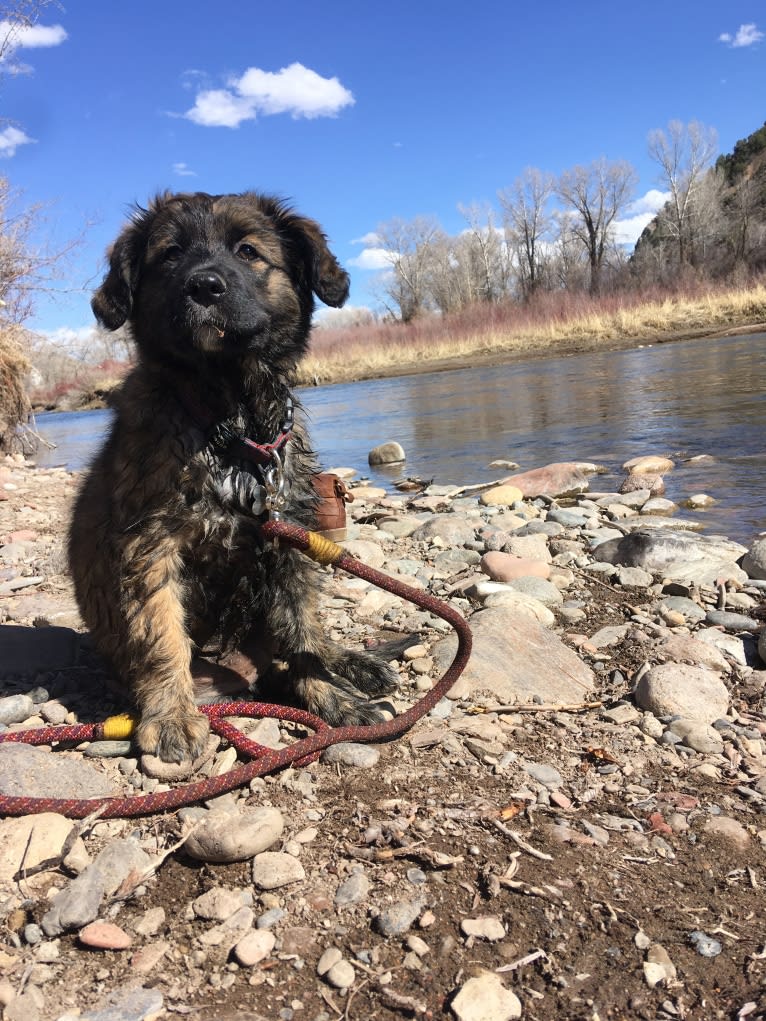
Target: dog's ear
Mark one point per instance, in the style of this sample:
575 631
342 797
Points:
113 301
329 281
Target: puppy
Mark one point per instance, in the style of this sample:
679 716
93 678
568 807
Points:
165 545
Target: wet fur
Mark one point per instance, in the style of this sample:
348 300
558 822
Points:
165 547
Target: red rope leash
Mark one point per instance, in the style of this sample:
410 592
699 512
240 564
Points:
263 760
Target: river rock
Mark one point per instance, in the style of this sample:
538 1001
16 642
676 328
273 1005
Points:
517 602
701 737
676 555
675 689
104 936
531 547
659 505
505 567
485 998
489 928
516 659
352 890
650 464
30 842
224 837
254 947
29 772
29 651
543 591
370 553
688 649
351 753
273 869
501 496
386 453
220 903
732 621
132 1003
16 708
754 561
638 483
400 526
79 902
397 918
452 528
562 478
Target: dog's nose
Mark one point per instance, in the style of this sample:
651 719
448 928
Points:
206 287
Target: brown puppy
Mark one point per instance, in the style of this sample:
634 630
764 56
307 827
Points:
165 545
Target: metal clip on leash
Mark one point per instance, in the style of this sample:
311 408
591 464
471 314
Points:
274 483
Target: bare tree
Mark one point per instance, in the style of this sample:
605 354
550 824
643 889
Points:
485 251
683 153
596 194
409 244
528 225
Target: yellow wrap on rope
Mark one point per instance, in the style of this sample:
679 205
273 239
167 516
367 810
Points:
324 551
118 728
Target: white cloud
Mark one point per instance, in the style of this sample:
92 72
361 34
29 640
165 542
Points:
184 170
640 215
10 139
17 36
296 90
747 35
372 258
370 238
31 36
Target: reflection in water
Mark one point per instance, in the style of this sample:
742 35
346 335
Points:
682 399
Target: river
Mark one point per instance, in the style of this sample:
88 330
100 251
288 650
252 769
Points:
681 399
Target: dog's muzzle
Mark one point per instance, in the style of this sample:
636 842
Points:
205 287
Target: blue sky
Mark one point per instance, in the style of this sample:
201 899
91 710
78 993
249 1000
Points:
356 112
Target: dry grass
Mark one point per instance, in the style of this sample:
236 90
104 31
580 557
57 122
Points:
554 321
14 403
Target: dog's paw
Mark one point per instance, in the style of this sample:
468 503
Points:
367 673
173 738
338 706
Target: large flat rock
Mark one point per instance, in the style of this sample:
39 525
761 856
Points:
515 658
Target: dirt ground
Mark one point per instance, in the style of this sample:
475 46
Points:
584 882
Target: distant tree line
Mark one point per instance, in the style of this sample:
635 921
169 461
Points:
550 233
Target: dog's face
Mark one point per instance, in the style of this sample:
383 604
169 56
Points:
198 274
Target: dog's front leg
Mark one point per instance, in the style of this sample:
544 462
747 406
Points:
158 652
327 679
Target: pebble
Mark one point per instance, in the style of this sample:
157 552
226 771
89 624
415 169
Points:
29 772
352 890
732 621
107 749
134 1003
545 774
485 998
705 945
224 837
16 709
348 753
398 918
489 928
726 828
219 903
274 869
330 957
341 975
104 936
254 947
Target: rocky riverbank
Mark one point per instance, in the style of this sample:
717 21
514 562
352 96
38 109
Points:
577 832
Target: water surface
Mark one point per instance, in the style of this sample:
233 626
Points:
680 399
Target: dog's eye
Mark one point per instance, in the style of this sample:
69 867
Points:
247 252
171 253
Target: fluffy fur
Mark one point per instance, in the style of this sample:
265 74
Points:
165 545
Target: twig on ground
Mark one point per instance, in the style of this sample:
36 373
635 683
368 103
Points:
522 961
521 842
